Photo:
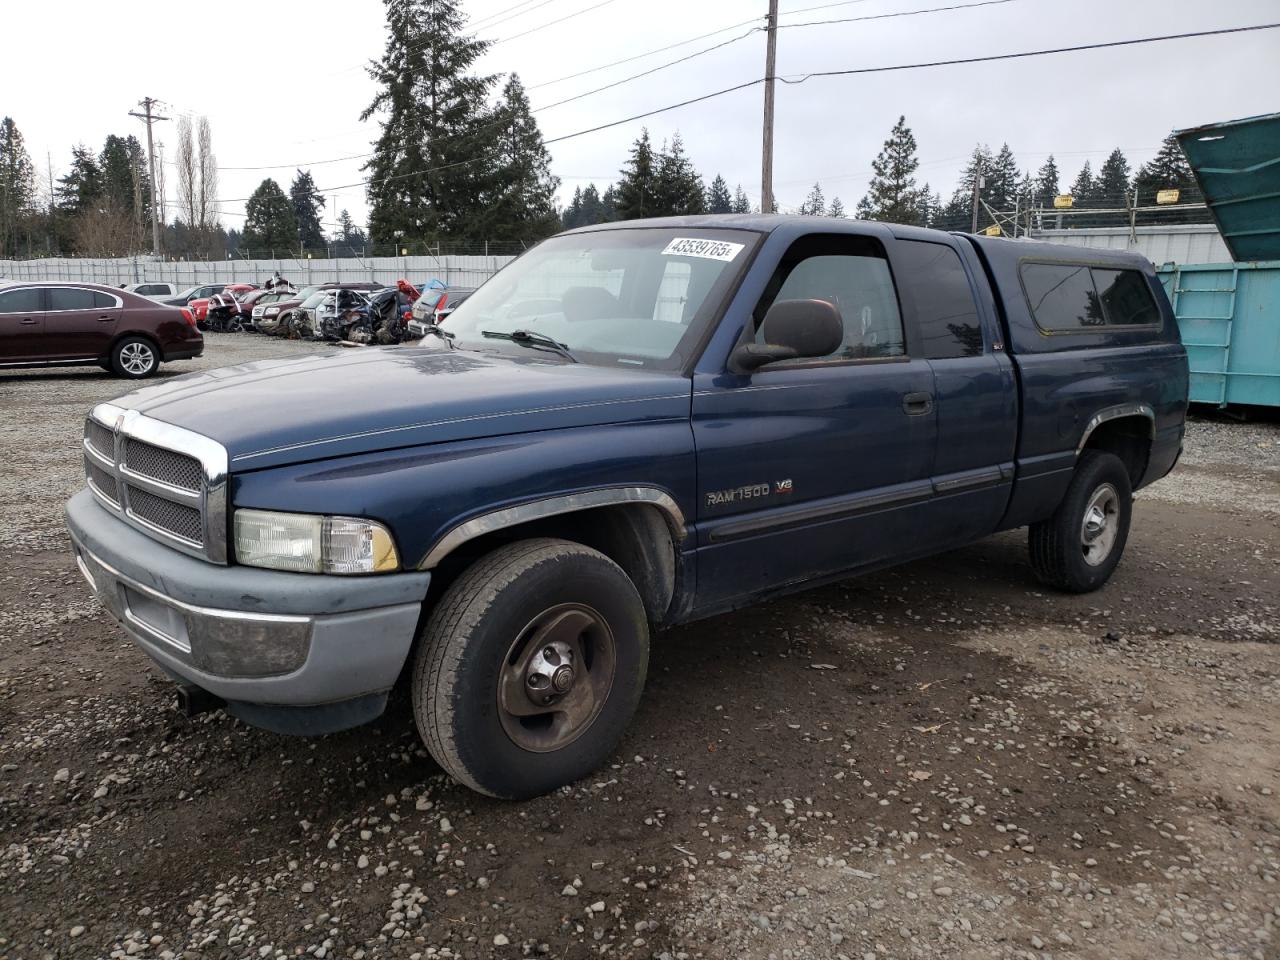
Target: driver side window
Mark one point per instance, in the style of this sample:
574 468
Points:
853 274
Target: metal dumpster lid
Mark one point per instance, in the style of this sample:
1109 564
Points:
1237 164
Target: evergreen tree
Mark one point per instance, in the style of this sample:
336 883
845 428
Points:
1113 179
1002 180
80 189
609 204
815 204
679 190
593 211
125 182
892 195
17 186
428 166
957 213
1046 183
836 209
572 215
740 202
350 238
270 224
928 207
1167 170
1085 188
636 195
719 199
307 204
518 197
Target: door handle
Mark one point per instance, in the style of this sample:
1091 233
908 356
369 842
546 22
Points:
28 322
106 319
917 404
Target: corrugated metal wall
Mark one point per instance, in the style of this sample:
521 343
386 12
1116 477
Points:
1184 243
454 271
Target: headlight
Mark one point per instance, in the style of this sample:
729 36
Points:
306 543
272 311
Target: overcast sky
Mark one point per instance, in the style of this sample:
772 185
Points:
218 61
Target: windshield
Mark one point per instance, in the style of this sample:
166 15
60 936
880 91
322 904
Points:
190 292
307 291
314 300
634 297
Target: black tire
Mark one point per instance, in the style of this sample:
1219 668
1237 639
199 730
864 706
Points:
135 358
1063 554
475 634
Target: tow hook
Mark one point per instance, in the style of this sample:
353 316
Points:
194 700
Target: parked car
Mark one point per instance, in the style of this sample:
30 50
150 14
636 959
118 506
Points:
200 305
194 293
79 324
434 306
302 307
151 288
632 426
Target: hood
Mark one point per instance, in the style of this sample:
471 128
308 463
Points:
274 412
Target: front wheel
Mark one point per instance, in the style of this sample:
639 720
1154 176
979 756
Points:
530 668
134 358
1078 548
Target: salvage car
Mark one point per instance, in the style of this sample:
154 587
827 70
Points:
633 425
87 324
193 293
434 306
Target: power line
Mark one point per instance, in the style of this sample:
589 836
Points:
890 16
495 18
823 6
1029 53
552 23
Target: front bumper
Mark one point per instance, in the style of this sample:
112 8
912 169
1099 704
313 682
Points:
287 651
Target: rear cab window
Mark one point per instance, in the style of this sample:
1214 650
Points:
1078 298
946 313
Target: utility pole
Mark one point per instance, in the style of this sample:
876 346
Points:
771 57
53 206
149 118
977 194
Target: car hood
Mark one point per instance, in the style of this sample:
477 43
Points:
273 412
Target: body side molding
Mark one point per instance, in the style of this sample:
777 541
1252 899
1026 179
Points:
554 506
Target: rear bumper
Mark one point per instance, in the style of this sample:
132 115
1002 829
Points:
291 652
184 351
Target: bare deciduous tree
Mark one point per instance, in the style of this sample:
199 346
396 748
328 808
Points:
198 185
208 168
188 174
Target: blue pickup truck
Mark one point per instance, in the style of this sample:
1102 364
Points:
631 426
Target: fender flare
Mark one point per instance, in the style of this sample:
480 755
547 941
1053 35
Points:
1115 413
485 523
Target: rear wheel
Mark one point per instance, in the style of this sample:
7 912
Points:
530 668
1078 548
135 358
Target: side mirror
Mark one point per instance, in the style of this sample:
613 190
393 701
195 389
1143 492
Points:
793 329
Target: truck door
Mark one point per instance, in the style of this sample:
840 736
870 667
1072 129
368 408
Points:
812 467
974 388
21 325
80 323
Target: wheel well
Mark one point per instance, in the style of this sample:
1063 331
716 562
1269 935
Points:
1128 438
635 536
135 335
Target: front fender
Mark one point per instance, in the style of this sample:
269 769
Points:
422 493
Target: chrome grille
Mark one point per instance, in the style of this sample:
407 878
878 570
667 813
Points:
103 482
166 466
100 438
169 483
175 518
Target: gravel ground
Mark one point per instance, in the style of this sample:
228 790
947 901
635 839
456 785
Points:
942 760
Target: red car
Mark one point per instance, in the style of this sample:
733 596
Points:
200 308
81 324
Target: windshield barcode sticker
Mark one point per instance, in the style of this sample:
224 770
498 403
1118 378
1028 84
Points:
706 249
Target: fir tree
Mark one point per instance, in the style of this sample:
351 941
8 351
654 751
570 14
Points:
572 215
609 204
428 163
719 199
892 195
836 209
349 235
1113 179
679 189
1046 183
636 188
1167 170
740 202
307 204
17 186
270 224
124 176
815 204
81 188
1002 178
518 197
1085 188
928 207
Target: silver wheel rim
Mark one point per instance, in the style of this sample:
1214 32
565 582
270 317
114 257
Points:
556 677
137 358
1100 525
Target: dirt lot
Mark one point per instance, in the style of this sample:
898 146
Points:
943 760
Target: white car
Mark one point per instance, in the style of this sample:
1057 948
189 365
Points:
151 289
